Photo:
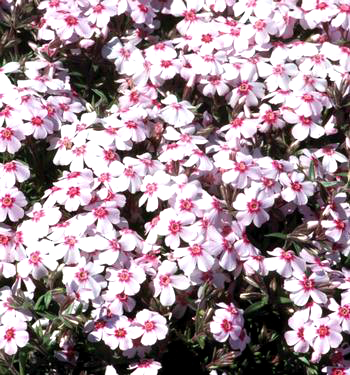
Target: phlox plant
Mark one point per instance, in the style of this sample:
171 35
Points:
174 187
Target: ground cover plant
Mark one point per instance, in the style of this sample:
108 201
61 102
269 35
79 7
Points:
174 183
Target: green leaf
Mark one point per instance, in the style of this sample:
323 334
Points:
47 299
22 362
256 306
283 300
312 171
304 360
328 183
277 235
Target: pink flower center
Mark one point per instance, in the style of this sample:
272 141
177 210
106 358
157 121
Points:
321 6
278 70
37 215
308 284
226 325
237 122
166 63
6 133
338 371
71 21
244 88
308 98
241 167
120 332
7 201
100 212
300 333
131 124
70 241
37 121
35 258
54 3
254 206
9 334
195 250
82 275
344 8
268 182
287 255
318 59
270 117
186 205
259 25
164 280
339 224
109 155
98 8
143 8
174 227
296 186
149 326
151 188
328 151
344 311
323 331
124 275
122 297
345 50
207 38
100 324
190 15
10 166
73 191
306 121
277 165
129 171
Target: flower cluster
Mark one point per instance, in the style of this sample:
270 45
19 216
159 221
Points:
225 130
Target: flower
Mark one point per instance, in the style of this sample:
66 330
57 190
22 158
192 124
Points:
150 326
251 206
13 334
165 282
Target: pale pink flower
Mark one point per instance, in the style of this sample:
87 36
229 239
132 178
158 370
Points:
175 226
176 113
155 187
197 255
323 334
126 280
101 12
118 336
40 258
284 262
13 171
303 287
341 313
150 326
295 189
72 23
13 335
10 138
276 75
298 322
239 172
85 278
247 92
226 324
165 282
145 367
11 202
330 157
251 206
